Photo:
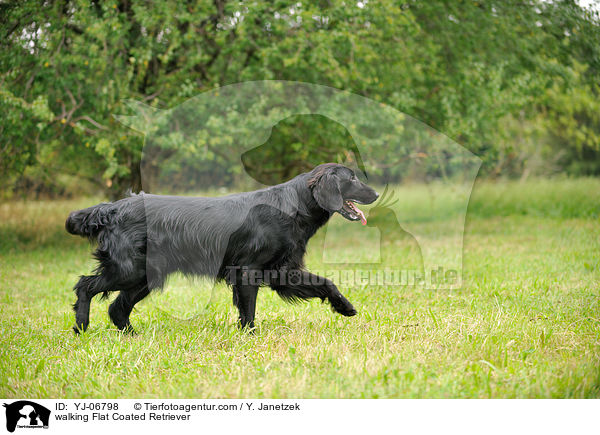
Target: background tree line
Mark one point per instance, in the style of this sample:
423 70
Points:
515 82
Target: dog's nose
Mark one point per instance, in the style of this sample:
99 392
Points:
376 194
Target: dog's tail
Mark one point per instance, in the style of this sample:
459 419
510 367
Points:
90 221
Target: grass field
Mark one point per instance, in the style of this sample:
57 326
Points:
526 322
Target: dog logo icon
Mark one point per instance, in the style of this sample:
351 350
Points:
26 414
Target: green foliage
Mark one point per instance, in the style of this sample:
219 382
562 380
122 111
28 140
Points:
20 120
465 68
574 124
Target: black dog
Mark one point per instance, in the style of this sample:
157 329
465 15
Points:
247 239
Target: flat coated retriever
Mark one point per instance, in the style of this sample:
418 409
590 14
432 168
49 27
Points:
247 239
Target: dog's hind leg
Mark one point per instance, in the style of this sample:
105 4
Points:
88 287
244 298
121 307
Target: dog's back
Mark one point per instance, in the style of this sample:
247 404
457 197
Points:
162 234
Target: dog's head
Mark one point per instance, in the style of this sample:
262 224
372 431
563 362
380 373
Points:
336 189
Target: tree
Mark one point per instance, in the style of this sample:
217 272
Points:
462 67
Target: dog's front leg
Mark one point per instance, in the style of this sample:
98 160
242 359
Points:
244 298
338 301
306 285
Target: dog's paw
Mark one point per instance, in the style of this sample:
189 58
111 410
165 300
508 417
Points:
348 313
343 307
128 330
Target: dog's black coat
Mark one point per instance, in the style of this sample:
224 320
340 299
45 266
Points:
144 238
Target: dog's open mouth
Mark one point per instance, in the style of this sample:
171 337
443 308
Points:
352 212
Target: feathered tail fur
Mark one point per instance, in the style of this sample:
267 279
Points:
89 221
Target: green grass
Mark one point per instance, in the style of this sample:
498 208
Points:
526 322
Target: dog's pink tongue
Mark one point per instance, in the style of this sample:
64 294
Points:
363 219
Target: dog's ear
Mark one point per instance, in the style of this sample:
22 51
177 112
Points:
327 193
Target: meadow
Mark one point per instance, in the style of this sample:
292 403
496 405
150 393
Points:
524 324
